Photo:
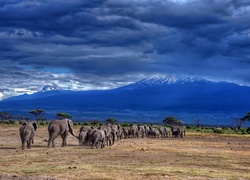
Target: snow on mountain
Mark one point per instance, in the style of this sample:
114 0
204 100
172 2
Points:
53 87
159 80
150 99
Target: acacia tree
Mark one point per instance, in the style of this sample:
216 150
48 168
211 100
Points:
95 122
5 116
63 115
111 120
38 113
22 118
241 121
247 117
172 120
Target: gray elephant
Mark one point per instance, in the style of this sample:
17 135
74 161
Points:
154 132
83 134
60 128
27 133
147 131
168 131
182 131
116 129
142 130
162 132
97 137
178 131
110 136
134 131
125 132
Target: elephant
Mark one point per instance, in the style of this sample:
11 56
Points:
134 131
125 132
168 131
27 133
162 132
83 134
82 138
117 130
174 131
182 131
110 134
142 131
147 131
60 127
97 137
178 131
153 132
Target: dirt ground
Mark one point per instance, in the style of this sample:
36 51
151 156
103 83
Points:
197 156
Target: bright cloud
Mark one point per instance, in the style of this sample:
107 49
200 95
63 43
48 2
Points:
98 44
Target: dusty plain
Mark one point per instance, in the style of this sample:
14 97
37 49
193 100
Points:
197 156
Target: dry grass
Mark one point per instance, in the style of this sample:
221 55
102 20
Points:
198 156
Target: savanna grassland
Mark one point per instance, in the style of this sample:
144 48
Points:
197 156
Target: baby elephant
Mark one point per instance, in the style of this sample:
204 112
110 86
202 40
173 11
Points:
27 133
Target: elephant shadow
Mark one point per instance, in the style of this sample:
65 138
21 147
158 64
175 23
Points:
8 148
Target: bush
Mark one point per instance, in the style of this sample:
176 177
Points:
219 131
248 130
87 124
42 123
125 124
243 131
9 122
192 127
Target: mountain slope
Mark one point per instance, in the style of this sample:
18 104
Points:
155 94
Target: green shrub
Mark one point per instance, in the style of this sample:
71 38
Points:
219 131
243 131
86 123
125 124
248 130
207 130
9 122
192 127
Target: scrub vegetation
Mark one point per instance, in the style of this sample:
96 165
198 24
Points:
202 154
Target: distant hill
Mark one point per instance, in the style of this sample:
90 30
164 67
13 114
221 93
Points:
152 98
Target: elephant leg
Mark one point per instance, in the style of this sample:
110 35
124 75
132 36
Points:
103 143
64 140
51 140
80 141
29 143
93 143
97 144
23 143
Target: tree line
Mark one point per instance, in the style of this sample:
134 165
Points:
169 120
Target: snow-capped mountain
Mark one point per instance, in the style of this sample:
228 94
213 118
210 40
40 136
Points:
150 99
163 80
53 87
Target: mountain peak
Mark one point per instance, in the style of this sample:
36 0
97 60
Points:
162 79
172 79
53 87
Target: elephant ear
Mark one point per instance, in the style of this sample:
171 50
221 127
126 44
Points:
70 125
34 125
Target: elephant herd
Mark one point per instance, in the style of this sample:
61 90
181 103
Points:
104 135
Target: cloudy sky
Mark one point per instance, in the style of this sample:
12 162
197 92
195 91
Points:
100 44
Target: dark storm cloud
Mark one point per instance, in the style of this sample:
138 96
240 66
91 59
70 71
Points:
121 39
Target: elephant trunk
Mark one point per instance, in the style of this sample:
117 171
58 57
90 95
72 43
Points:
73 133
